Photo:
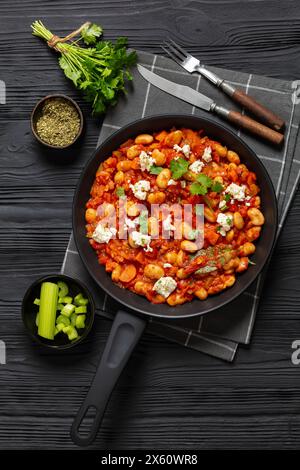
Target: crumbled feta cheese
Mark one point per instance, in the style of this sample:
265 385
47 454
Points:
146 161
225 221
196 167
206 156
140 239
222 204
236 191
103 234
172 182
167 224
183 184
167 265
165 286
185 149
140 189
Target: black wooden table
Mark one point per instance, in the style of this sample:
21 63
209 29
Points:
169 396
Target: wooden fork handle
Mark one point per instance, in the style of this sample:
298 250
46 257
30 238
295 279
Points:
264 114
252 126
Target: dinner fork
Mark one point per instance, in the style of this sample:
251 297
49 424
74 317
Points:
191 64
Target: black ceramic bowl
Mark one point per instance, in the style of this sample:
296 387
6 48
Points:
37 112
29 311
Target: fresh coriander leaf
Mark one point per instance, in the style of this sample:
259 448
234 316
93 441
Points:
218 229
143 221
217 187
178 168
227 197
120 191
91 33
155 170
73 75
204 180
224 208
198 189
229 220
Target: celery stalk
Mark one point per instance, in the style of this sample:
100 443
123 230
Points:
77 298
82 309
68 310
60 326
63 289
73 319
80 321
71 332
36 301
47 312
63 319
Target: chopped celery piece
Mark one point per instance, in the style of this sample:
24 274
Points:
80 321
63 319
47 312
82 301
60 326
71 332
73 319
67 300
81 309
37 319
63 289
60 306
77 298
68 310
36 301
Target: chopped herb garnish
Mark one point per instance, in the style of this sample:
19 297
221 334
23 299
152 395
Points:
217 187
206 270
155 170
201 185
251 262
120 191
178 168
222 260
143 221
227 197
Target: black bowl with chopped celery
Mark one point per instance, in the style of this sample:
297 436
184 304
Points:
58 311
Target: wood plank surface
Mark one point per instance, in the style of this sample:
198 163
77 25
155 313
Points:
168 396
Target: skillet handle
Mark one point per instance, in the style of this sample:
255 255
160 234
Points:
123 337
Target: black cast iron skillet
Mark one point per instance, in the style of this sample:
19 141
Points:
129 324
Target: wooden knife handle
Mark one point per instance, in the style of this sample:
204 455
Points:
255 127
261 112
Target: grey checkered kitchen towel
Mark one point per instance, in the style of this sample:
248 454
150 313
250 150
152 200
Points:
219 332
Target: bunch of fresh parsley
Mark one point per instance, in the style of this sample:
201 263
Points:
100 71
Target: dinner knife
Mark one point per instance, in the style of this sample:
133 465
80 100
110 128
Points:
201 101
